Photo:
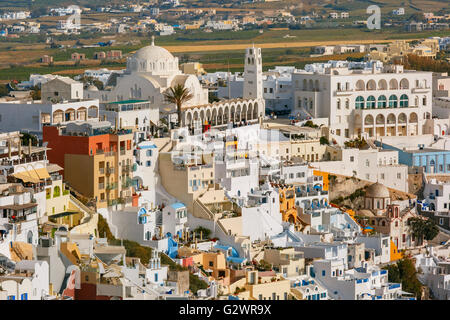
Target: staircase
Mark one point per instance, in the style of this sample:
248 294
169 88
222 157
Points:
371 143
296 294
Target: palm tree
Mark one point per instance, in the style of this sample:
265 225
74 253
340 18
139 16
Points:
178 95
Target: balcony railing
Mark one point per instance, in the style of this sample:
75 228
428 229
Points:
101 186
122 152
109 170
102 170
111 186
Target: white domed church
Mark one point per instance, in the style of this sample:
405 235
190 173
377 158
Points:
150 72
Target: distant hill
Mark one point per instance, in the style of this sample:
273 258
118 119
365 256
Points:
410 6
34 4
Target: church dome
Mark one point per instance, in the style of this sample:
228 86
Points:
153 53
153 60
377 190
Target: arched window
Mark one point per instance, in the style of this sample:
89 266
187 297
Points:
404 101
359 103
382 102
393 100
370 104
383 223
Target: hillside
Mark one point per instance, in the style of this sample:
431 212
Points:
320 6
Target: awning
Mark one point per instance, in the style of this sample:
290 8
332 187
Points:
53 167
27 176
42 173
33 176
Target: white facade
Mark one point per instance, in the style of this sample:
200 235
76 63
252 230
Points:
381 245
174 219
31 116
370 165
39 276
369 283
150 72
364 98
141 115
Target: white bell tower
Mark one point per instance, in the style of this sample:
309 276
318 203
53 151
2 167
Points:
253 85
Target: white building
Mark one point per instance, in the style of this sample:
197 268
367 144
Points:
398 12
370 165
150 72
174 219
146 157
38 272
31 116
367 283
140 115
381 244
364 98
102 75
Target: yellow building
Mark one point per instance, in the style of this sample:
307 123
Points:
287 261
97 160
195 68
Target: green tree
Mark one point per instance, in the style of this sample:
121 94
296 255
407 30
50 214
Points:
178 95
26 138
4 90
423 228
324 140
204 231
36 93
310 124
405 273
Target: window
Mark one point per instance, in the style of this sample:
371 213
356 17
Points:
399 175
359 104
382 176
149 153
149 163
156 277
352 159
382 102
367 163
441 221
404 101
323 273
339 104
370 104
393 101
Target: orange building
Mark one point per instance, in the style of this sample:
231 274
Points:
97 160
326 183
287 204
